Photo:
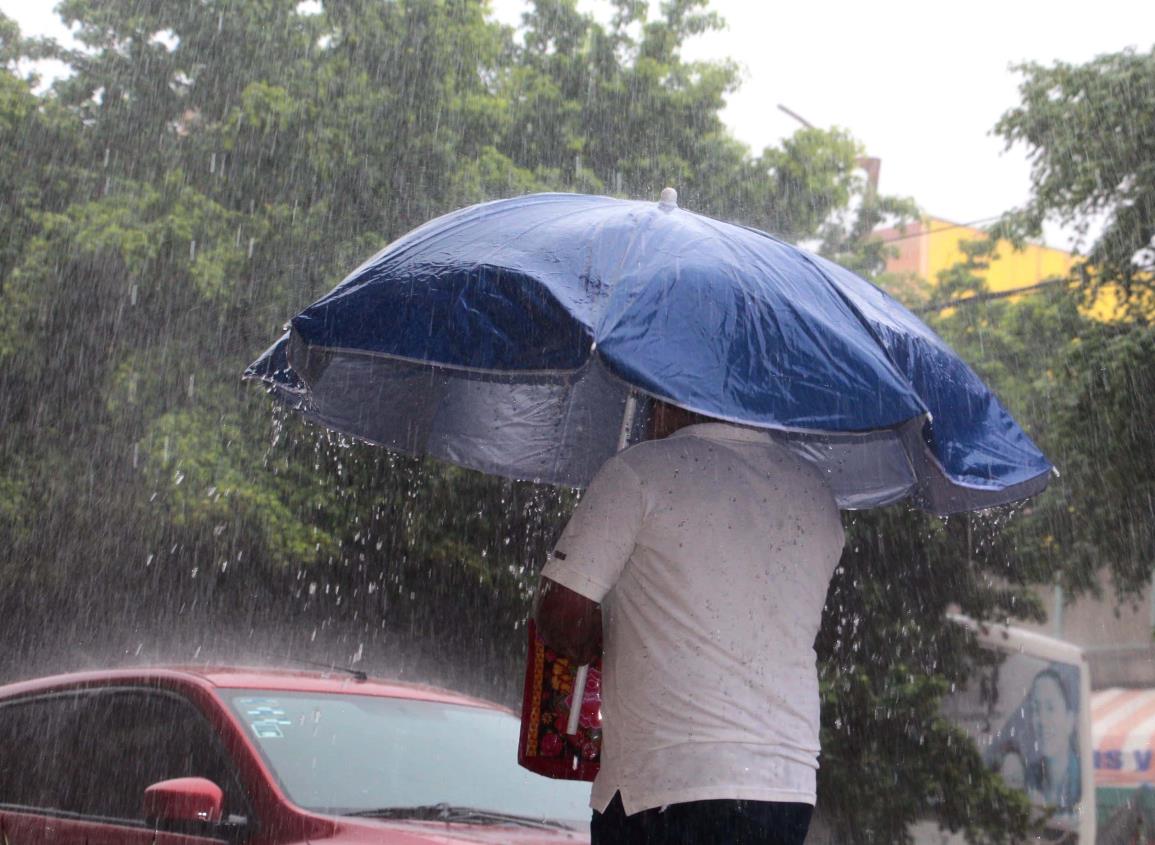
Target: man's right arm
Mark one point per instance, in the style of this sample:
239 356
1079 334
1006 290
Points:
588 560
568 622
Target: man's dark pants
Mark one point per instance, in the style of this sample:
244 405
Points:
704 823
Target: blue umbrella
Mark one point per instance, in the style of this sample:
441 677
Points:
514 337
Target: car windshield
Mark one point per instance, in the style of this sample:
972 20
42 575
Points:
345 754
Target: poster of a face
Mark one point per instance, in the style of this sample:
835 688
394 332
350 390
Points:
1024 716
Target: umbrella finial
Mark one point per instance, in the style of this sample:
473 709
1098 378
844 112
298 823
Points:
669 198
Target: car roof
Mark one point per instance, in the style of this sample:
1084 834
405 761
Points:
224 677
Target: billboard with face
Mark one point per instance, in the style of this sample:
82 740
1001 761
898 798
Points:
1026 716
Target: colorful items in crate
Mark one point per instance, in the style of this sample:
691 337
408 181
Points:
545 747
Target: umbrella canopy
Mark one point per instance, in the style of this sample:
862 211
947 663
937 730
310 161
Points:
509 336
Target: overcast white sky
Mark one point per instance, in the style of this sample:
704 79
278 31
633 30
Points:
920 84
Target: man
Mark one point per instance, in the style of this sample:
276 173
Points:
709 549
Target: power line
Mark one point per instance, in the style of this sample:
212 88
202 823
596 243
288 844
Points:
976 298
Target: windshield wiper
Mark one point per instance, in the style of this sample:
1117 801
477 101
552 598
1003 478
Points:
450 813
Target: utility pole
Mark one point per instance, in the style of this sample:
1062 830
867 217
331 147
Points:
796 116
870 164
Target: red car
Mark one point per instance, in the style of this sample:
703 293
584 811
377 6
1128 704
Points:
199 755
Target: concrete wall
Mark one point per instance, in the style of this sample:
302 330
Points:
1117 635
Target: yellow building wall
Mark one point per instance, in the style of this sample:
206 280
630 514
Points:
1010 270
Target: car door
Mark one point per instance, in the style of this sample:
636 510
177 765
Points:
74 766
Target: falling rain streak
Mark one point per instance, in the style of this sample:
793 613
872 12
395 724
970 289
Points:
226 163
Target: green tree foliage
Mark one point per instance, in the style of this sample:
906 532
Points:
36 137
1087 130
233 159
888 654
1106 515
1090 404
1082 388
1083 124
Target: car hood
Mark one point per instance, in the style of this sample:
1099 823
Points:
392 832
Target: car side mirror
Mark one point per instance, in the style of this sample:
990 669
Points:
184 800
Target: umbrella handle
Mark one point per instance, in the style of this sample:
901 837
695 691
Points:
631 411
579 697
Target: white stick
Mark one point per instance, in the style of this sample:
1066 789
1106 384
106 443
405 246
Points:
579 697
627 421
579 678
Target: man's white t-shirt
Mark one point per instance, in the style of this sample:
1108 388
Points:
710 552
